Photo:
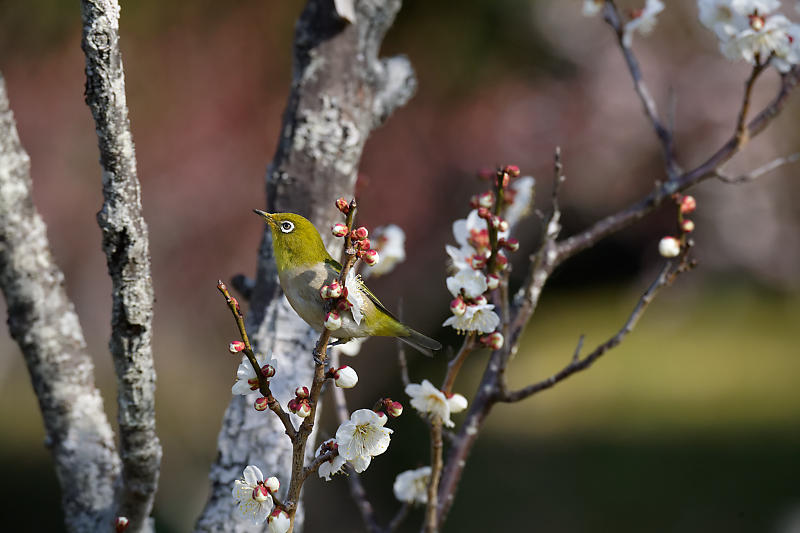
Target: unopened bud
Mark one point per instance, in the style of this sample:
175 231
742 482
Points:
333 321
512 170
669 247
360 233
687 226
688 204
325 292
477 261
279 521
273 484
512 244
268 371
261 404
339 230
502 225
492 281
335 289
486 200
501 261
364 245
484 213
260 493
480 300
371 257
236 346
502 179
473 202
493 340
345 377
301 392
458 307
343 206
456 402
303 408
292 405
121 523
393 409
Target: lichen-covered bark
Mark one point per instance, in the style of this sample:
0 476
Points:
43 322
340 92
126 244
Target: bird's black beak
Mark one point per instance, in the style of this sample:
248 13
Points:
266 216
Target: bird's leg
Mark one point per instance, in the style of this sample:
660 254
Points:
338 342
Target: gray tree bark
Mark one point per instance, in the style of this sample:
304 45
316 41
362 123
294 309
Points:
43 322
340 92
126 244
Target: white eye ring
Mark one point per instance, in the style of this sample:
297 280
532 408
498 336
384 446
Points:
287 226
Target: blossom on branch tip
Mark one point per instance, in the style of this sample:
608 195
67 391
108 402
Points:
411 486
477 317
331 466
345 377
247 492
669 247
279 521
362 437
246 380
643 21
342 205
393 409
429 401
236 346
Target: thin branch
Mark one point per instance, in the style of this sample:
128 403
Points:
665 278
760 171
399 518
126 244
431 524
663 133
741 122
43 322
455 363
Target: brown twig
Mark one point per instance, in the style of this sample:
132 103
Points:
431 524
455 363
663 133
741 122
760 171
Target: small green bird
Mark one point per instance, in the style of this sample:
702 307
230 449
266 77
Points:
304 266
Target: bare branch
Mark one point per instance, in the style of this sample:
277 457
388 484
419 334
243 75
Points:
431 524
760 171
741 122
43 321
125 242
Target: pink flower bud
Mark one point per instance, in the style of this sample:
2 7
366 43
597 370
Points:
301 392
343 305
293 404
279 521
502 225
360 233
335 289
380 414
687 226
484 213
393 409
253 382
480 300
261 404
268 371
303 408
343 206
371 257
492 281
333 321
236 346
688 204
477 261
473 202
512 245
458 307
345 377
501 261
121 524
260 493
364 245
502 179
512 170
669 247
325 292
493 340
339 230
486 200
272 484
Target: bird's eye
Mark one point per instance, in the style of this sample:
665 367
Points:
286 226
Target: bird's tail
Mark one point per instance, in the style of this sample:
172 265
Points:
424 344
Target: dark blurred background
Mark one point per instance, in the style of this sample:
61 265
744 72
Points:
692 425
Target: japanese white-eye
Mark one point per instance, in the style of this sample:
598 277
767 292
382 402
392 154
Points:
305 266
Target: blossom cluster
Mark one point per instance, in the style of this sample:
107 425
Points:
670 246
483 241
357 441
751 30
253 494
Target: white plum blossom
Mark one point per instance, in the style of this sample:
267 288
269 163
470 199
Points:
249 492
786 57
760 40
354 296
331 466
669 247
279 522
429 401
411 486
472 236
246 380
722 17
457 403
592 7
478 317
345 377
363 437
522 189
643 22
390 242
472 282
